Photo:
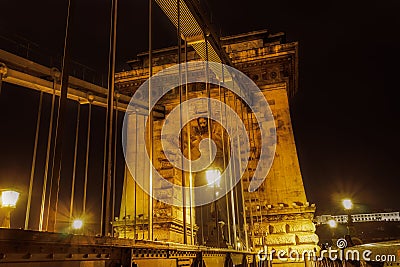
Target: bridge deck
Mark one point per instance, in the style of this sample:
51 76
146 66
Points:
21 246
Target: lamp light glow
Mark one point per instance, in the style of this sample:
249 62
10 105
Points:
213 177
77 224
9 199
347 204
332 223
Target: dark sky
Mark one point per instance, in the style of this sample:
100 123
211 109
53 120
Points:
345 115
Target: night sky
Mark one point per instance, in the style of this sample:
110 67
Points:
345 115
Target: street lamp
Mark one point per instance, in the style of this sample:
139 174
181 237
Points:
332 223
348 205
77 224
213 177
8 199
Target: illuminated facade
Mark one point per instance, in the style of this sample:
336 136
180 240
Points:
366 217
277 214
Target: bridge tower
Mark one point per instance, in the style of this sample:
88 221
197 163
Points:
278 214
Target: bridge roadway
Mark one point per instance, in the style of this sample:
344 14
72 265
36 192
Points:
43 249
20 248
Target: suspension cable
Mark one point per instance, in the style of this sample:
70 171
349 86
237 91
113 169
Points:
71 205
254 140
136 176
144 177
28 205
59 133
117 96
236 171
241 183
46 168
103 190
248 177
224 157
230 184
125 202
189 149
89 126
150 232
183 179
209 123
108 142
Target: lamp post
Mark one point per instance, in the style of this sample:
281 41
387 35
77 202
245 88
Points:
348 205
9 199
213 177
332 225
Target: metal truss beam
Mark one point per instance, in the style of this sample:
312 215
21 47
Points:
26 73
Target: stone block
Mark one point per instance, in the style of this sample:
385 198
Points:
264 229
277 228
167 173
306 238
280 239
257 241
301 226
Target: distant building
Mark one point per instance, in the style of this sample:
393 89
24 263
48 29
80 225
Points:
365 217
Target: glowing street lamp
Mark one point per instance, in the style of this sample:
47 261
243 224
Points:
332 223
347 204
9 199
213 177
77 224
8 202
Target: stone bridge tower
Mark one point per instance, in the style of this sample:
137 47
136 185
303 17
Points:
278 214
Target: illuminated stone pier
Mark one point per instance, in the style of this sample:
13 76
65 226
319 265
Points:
277 214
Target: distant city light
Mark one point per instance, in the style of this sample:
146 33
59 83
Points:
347 204
77 224
332 223
213 177
9 199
